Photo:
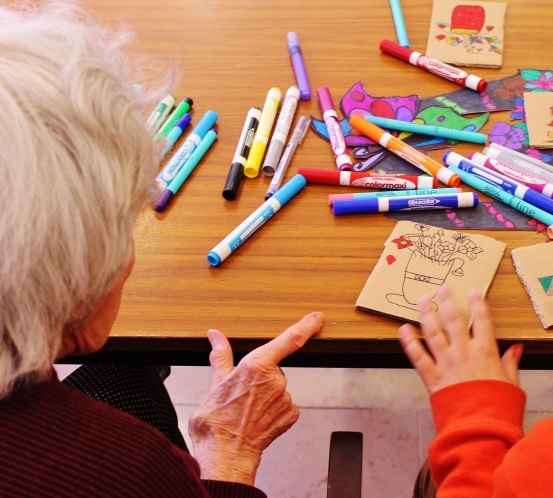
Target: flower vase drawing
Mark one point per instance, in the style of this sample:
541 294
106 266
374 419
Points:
433 258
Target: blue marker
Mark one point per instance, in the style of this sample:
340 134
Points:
510 200
399 23
255 221
392 193
405 203
175 133
176 183
185 150
434 131
503 182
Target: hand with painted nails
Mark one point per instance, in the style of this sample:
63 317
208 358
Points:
247 407
456 352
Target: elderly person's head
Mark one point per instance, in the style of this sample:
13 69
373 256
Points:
76 166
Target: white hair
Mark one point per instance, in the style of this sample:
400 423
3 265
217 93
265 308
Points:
76 167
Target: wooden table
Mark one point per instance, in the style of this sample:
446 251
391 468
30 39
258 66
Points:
230 53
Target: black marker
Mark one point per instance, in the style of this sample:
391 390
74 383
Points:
236 173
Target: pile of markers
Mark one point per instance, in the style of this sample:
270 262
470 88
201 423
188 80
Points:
168 123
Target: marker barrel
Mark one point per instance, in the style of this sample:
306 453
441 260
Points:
405 203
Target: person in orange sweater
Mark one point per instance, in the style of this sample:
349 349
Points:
480 449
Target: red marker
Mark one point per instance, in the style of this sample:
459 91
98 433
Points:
433 66
367 180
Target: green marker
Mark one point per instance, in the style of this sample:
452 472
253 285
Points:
184 106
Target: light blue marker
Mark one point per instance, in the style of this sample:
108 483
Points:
175 133
255 221
503 182
185 150
176 183
392 193
434 131
502 196
405 203
399 23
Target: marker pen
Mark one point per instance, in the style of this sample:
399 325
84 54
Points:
175 133
261 137
367 180
399 23
298 64
433 66
405 203
255 221
500 181
297 136
504 197
434 131
406 152
392 193
280 133
514 173
184 106
236 172
337 142
183 153
159 114
494 149
177 182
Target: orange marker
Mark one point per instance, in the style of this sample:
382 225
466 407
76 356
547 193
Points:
401 149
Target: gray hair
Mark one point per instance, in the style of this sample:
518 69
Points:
76 167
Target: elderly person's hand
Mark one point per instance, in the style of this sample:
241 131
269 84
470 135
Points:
247 407
457 355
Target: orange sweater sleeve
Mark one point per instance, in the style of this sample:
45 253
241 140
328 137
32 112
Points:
477 423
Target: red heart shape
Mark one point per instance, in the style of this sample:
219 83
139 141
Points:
390 259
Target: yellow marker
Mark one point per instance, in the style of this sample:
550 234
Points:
259 144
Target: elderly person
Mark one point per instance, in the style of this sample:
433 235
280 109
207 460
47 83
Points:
77 165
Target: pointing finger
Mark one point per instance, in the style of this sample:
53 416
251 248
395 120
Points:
289 341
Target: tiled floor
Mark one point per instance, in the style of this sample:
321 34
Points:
389 406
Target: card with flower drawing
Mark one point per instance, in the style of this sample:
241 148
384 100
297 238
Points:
418 258
467 33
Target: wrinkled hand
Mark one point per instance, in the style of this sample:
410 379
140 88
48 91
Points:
456 355
247 407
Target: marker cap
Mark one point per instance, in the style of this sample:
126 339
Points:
235 176
396 50
164 201
325 99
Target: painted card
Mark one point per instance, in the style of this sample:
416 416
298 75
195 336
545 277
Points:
417 259
534 267
538 109
467 33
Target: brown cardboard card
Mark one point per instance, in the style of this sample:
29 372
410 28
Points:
417 259
534 266
538 108
467 33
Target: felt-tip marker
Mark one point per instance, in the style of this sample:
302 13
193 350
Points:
255 221
367 180
501 181
298 64
405 203
336 137
392 193
236 171
433 66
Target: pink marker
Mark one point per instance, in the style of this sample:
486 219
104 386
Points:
514 173
337 142
433 66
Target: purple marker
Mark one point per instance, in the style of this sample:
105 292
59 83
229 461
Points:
175 133
514 173
299 65
406 203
